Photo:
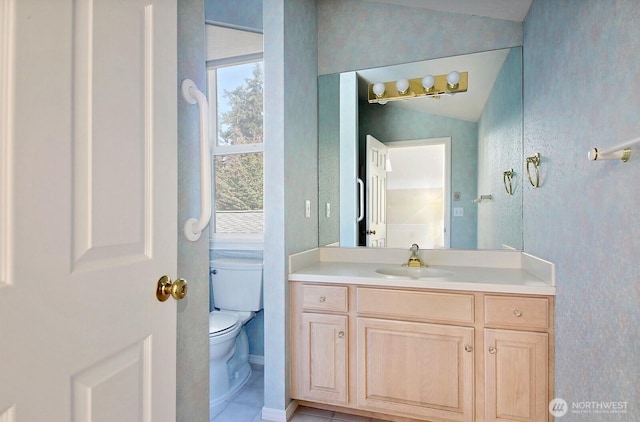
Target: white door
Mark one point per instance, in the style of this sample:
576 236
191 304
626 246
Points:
87 210
376 230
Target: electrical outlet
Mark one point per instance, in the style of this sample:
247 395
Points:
307 208
458 212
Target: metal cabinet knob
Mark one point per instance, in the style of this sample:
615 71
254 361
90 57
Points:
468 348
323 299
165 288
492 350
517 312
340 334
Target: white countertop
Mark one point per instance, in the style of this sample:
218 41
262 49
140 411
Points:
470 278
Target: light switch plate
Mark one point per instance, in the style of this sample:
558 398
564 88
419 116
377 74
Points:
458 212
307 208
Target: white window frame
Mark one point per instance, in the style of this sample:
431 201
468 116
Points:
228 241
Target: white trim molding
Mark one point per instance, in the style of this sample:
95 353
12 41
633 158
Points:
7 54
277 415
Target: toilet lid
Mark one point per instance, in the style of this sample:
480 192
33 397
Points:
219 321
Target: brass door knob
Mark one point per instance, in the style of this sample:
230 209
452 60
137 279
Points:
165 288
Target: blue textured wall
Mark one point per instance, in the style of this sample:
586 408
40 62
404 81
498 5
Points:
291 171
500 149
239 13
581 90
356 34
193 321
328 158
396 124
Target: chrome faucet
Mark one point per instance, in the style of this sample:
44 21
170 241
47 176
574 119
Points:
414 259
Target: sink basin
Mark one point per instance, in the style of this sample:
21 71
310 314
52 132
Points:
413 272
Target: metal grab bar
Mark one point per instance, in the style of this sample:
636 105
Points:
193 227
361 200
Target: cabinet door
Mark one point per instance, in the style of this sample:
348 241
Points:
414 369
516 379
323 372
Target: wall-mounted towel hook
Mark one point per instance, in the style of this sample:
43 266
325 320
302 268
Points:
193 227
507 177
535 161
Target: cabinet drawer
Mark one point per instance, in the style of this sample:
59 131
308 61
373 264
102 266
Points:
328 298
526 312
419 305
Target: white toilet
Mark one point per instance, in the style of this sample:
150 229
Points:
237 295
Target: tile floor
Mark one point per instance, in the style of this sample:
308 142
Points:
308 414
246 406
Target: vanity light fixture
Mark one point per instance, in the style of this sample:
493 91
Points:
453 80
429 86
427 83
402 85
378 90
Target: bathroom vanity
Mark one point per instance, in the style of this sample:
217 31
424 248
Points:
465 342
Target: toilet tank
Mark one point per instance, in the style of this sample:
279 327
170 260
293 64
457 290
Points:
237 284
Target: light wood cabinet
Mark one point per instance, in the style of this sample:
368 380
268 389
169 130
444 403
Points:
319 343
516 375
421 354
517 358
323 354
415 369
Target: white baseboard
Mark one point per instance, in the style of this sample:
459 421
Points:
291 409
256 360
274 415
277 415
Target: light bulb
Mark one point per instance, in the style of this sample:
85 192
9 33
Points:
427 82
403 86
453 79
378 89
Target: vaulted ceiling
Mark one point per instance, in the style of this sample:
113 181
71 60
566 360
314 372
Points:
513 10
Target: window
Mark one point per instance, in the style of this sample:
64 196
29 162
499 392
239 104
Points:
235 91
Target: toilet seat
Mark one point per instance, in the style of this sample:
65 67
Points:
221 323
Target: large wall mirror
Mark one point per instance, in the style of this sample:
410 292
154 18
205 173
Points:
451 166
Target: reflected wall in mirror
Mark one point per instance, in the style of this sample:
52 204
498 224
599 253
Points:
484 125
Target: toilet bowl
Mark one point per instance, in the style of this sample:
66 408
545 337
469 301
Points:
223 332
237 295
